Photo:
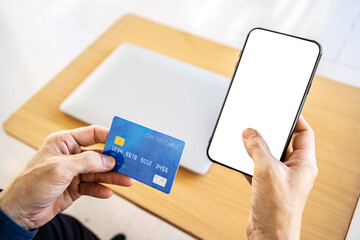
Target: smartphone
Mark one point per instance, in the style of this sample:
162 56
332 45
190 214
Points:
267 92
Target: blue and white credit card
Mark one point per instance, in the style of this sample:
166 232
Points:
143 154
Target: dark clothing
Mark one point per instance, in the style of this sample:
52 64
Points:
64 227
11 230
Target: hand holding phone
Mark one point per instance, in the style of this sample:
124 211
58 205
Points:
280 190
267 92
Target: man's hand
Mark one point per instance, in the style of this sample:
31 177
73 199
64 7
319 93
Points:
280 190
59 173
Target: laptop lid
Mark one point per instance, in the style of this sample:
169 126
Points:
156 91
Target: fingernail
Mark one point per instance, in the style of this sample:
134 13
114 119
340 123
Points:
249 132
109 162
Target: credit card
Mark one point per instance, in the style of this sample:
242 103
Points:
144 154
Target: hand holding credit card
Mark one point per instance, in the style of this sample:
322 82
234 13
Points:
143 154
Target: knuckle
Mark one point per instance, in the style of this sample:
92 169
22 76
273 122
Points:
94 129
64 136
89 155
50 138
57 168
95 126
89 177
56 136
311 132
254 144
89 160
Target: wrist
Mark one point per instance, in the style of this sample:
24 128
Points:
274 234
8 206
285 229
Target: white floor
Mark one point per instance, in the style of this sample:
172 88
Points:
38 38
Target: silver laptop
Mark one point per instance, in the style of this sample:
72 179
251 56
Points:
156 91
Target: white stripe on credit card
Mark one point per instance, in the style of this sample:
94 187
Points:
159 180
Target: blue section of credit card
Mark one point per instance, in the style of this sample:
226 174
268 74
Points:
143 154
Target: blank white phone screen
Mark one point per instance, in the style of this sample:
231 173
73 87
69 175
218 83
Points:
266 94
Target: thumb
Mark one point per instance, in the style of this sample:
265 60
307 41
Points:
91 162
256 146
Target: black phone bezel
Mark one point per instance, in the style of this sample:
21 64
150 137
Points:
299 109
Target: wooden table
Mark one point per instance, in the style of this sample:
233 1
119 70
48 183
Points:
215 205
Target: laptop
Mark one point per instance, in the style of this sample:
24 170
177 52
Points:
156 91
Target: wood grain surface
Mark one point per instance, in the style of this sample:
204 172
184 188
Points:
215 205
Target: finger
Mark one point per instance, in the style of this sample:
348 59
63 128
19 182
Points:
301 125
303 137
95 190
91 149
288 151
90 135
90 162
256 146
70 142
108 177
